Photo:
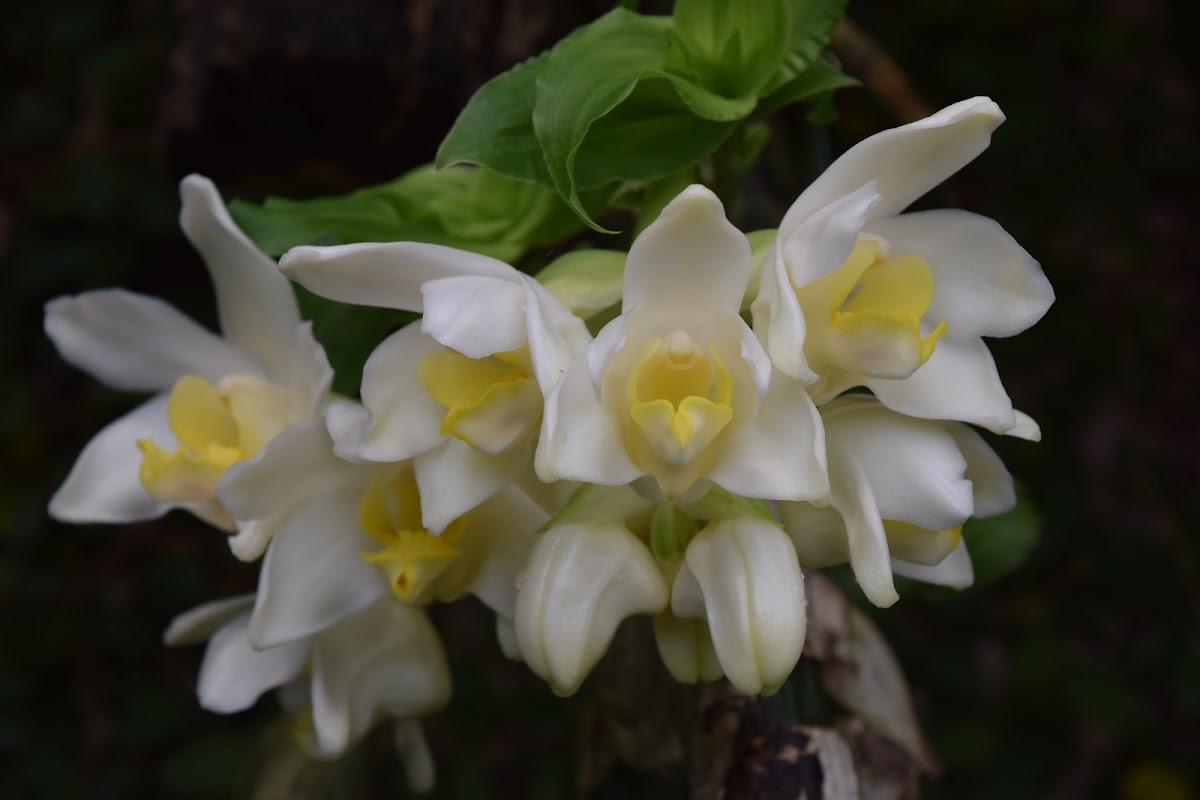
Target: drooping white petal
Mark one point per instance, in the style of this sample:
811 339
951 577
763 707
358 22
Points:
385 660
742 576
984 283
400 418
817 532
312 575
310 367
494 547
388 275
556 336
234 675
608 341
955 570
138 343
906 161
756 358
419 769
255 304
914 467
251 539
992 485
582 581
686 648
779 321
294 467
1025 427
454 477
690 257
197 625
474 314
506 637
824 240
103 486
780 454
866 542
580 440
958 382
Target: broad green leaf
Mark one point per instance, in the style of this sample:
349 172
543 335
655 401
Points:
998 545
495 129
650 134
587 75
586 281
824 75
660 192
731 49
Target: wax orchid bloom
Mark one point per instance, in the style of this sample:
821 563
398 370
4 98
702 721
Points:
859 294
901 490
342 535
728 594
676 393
218 400
385 660
460 392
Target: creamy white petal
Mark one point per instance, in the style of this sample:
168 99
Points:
686 648
103 486
197 625
955 570
758 361
1025 427
992 485
506 637
824 240
402 418
138 343
234 675
413 749
608 341
690 257
310 368
294 467
385 660
907 161
818 534
582 581
255 304
742 576
556 336
495 545
454 477
313 575
779 321
866 542
580 440
475 315
251 539
389 274
984 283
780 454
914 467
958 382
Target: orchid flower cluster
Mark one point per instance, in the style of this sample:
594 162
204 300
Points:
743 414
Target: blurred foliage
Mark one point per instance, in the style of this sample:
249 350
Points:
1076 675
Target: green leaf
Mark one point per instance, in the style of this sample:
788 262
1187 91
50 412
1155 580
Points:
495 129
586 281
998 545
660 192
587 75
813 23
732 49
821 77
718 503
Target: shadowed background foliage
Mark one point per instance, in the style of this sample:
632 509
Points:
1075 676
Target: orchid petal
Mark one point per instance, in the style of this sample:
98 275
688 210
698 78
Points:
991 483
199 624
556 336
388 275
138 343
906 161
742 576
866 542
582 581
255 304
103 485
234 675
475 315
985 284
454 477
690 257
955 570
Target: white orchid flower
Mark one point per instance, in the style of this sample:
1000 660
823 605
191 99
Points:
342 535
901 490
859 294
460 392
218 399
385 660
676 393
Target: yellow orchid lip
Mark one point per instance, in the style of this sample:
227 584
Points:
679 396
217 426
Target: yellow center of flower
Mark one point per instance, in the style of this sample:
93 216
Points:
216 426
909 542
411 557
872 307
491 403
679 396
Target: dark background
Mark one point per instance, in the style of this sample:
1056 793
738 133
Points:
1076 676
